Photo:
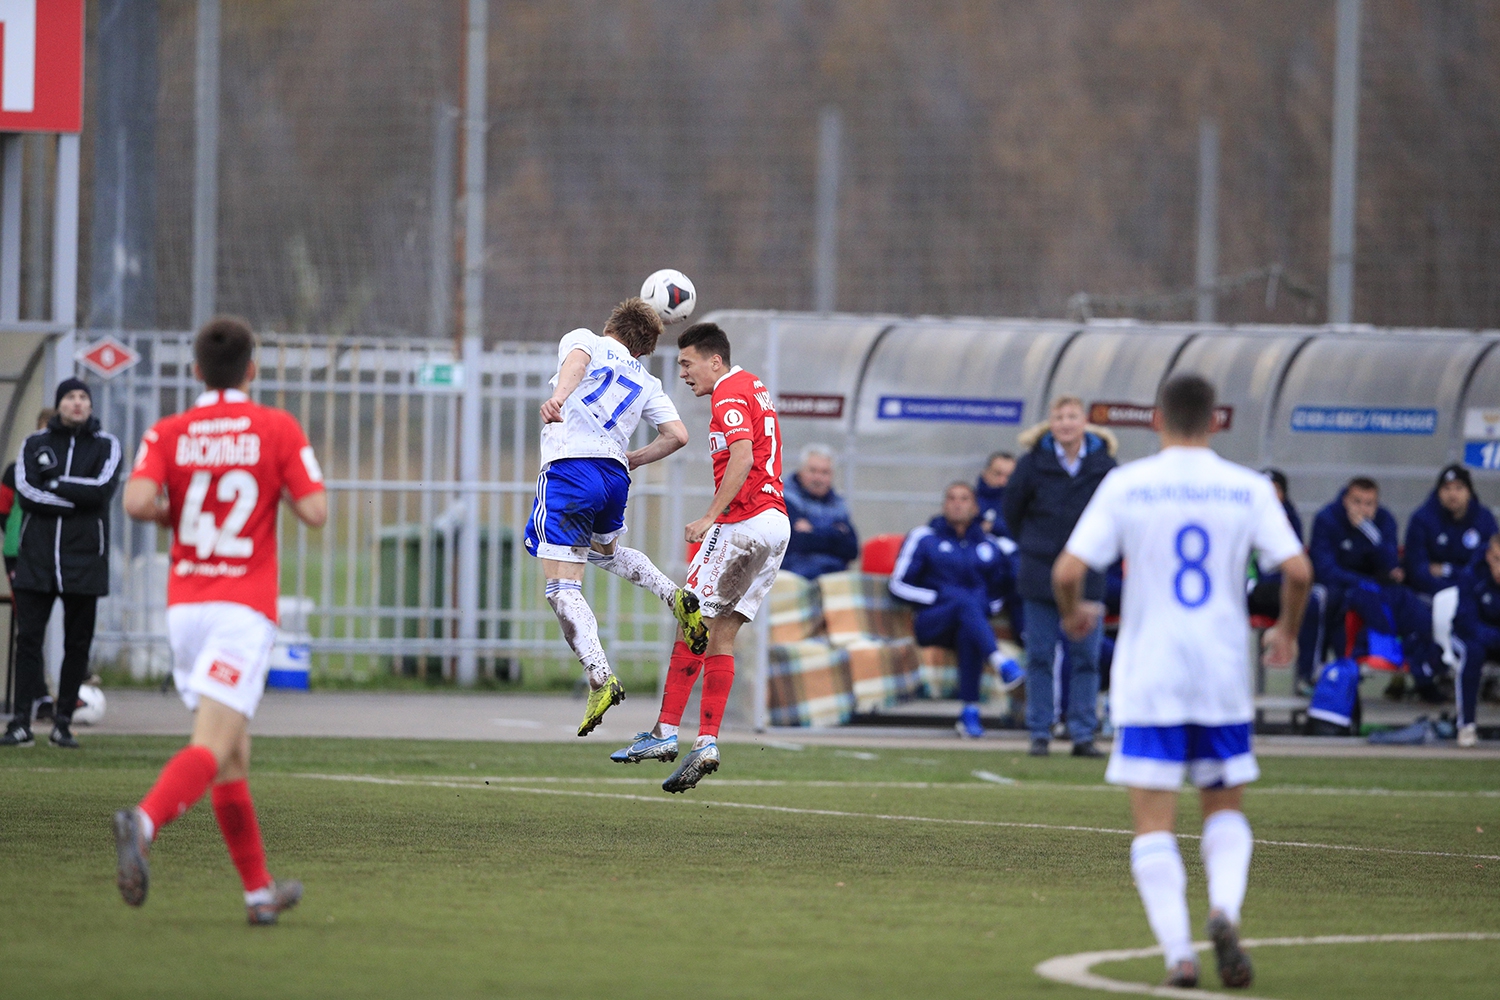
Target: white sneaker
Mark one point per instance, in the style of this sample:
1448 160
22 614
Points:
1468 736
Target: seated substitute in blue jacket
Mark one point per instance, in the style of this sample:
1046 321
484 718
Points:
1353 550
823 540
989 491
1448 534
959 575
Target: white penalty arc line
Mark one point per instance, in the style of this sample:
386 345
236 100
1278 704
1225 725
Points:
1076 970
846 814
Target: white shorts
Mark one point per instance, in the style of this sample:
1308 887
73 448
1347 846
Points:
1159 757
737 563
222 651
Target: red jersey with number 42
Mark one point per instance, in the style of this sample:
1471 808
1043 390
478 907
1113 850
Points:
225 463
743 411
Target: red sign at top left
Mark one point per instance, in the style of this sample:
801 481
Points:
41 65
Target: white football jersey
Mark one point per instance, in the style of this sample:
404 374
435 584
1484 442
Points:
603 412
1185 521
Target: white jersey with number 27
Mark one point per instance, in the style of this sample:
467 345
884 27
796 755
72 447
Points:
1185 521
603 412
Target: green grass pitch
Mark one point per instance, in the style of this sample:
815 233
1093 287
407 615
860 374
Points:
569 876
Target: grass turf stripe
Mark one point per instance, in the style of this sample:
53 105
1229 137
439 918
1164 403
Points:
502 786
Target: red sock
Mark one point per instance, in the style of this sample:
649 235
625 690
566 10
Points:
236 815
181 783
718 678
682 671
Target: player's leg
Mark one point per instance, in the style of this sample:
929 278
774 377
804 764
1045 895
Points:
31 609
78 636
1312 638
1161 881
234 810
1083 691
635 566
1471 669
976 649
1040 639
1221 764
1226 847
570 493
735 580
1151 762
684 667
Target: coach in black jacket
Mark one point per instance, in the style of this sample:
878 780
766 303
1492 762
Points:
66 475
1054 480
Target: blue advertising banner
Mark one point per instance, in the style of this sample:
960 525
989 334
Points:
975 411
1363 420
1482 454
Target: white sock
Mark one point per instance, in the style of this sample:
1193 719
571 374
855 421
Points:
580 628
263 895
1227 844
662 731
703 741
1162 883
147 827
637 567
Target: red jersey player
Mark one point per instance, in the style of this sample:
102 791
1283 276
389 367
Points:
743 538
224 466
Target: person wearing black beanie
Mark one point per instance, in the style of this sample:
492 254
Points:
66 476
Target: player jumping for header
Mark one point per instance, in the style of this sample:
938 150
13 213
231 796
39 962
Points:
224 466
744 536
600 393
1185 520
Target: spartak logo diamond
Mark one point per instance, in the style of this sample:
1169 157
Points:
108 357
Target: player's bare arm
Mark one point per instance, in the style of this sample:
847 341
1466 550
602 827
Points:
1077 615
741 455
144 501
568 376
311 510
670 436
1281 638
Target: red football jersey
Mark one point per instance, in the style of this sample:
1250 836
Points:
742 409
225 463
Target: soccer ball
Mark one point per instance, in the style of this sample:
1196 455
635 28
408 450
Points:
90 710
671 294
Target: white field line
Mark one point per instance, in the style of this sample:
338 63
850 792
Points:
1076 970
983 784
502 785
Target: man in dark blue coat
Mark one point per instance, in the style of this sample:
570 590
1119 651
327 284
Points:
959 575
1054 480
1447 535
1354 557
823 540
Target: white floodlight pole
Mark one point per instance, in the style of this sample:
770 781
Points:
1345 151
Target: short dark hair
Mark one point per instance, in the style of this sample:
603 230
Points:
998 454
708 339
636 325
222 350
1362 483
960 484
1187 405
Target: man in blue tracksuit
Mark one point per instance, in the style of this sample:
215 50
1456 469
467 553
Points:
1353 550
959 575
823 539
1477 627
1448 534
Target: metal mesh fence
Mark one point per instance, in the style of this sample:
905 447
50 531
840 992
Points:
997 158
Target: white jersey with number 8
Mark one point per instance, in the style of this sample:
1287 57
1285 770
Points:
1185 521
